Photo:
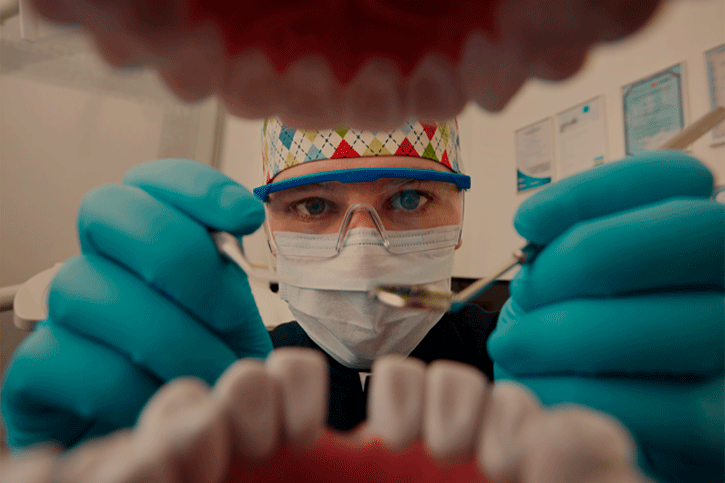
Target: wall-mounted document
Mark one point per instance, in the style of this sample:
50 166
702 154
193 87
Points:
718 194
582 138
535 154
715 60
653 110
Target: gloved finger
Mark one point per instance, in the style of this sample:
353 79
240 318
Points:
677 243
174 255
60 384
201 192
660 412
644 179
91 295
672 333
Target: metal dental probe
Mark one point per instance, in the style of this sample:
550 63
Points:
419 297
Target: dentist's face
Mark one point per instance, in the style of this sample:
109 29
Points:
393 204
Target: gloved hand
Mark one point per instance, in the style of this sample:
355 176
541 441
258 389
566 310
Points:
622 310
148 300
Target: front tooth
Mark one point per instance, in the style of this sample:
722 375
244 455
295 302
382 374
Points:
35 465
585 445
121 457
395 403
434 90
130 467
170 400
250 86
194 73
374 97
182 429
302 378
90 461
454 399
489 72
310 95
510 407
248 394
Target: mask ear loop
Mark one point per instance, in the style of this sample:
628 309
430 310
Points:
463 211
268 232
346 224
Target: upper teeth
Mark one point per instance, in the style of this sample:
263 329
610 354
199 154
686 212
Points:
378 97
187 431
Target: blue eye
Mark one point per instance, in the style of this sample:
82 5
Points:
408 200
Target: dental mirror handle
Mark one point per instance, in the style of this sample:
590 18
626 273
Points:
696 130
520 256
229 245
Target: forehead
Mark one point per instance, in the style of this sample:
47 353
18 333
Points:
324 165
380 187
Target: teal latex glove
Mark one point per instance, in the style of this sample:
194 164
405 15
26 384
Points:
622 310
149 299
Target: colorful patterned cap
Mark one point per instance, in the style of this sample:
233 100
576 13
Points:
284 146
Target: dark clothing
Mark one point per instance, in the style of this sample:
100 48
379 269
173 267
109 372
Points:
459 337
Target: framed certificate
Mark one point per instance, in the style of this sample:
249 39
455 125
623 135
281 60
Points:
718 194
535 154
653 110
715 62
582 137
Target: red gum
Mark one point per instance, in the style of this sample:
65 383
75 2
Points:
287 31
332 459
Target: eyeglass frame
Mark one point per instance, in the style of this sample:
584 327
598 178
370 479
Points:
361 175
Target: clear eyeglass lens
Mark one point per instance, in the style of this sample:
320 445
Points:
403 207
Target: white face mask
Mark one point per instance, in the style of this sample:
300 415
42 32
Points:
330 301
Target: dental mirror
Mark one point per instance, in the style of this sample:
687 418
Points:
420 297
229 245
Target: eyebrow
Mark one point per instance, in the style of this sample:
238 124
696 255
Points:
332 186
328 186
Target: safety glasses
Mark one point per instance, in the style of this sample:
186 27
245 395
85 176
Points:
400 208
